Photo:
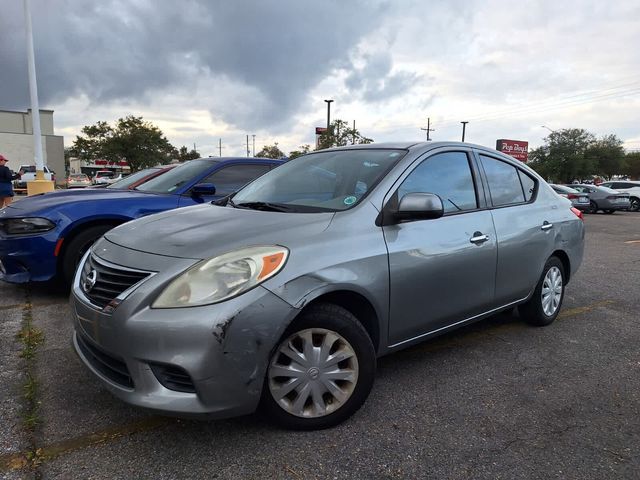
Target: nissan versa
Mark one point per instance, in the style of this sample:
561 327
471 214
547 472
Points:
284 294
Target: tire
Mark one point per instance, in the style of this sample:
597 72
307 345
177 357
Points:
77 247
537 311
593 207
321 398
609 212
634 205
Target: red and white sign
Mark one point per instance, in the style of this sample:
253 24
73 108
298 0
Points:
518 149
319 132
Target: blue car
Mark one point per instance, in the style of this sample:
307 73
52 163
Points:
44 236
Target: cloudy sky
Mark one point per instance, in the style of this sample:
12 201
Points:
204 70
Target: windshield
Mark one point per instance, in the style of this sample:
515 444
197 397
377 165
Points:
131 179
323 181
175 178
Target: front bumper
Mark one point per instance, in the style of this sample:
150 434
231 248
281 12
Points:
28 258
222 350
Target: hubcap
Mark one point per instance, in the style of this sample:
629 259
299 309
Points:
551 291
313 373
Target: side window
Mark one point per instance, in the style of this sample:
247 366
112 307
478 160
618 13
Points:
230 179
528 185
504 182
447 175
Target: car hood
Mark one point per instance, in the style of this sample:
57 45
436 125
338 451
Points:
204 231
55 199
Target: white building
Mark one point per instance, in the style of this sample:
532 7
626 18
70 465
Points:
16 141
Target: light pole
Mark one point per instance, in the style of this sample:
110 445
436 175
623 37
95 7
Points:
328 114
39 185
551 130
464 128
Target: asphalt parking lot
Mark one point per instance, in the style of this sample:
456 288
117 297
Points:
497 399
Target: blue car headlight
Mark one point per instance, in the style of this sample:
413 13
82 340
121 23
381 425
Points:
224 277
26 226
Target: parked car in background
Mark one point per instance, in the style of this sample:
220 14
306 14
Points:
603 198
106 177
286 292
78 180
28 173
627 186
45 235
130 182
578 199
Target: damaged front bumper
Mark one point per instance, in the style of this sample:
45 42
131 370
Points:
209 360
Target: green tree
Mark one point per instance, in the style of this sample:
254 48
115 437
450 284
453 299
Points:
608 156
141 144
302 150
631 165
271 151
563 156
341 134
183 154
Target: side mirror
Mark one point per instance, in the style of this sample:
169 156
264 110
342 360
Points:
203 189
419 206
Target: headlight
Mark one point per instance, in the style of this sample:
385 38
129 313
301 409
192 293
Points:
25 226
223 277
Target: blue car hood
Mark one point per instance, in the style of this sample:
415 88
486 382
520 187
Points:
204 231
55 199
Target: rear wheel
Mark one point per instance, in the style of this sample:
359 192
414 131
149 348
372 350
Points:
77 247
321 372
544 306
593 207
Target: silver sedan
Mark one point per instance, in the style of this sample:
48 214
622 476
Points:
284 294
603 198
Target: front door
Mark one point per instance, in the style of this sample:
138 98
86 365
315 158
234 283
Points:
442 271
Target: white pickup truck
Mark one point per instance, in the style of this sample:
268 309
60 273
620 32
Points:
28 173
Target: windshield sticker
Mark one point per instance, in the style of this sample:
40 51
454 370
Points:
350 200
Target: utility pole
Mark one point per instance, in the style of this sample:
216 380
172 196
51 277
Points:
248 151
353 137
220 146
328 114
464 127
428 129
254 145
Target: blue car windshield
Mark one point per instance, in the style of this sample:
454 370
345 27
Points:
323 181
177 177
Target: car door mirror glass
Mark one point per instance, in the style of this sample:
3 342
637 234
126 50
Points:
202 189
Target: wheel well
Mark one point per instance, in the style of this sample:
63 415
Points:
81 228
357 305
564 258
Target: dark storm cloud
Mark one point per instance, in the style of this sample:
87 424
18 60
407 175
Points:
118 51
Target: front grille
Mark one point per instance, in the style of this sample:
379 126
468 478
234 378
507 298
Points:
111 367
107 282
173 378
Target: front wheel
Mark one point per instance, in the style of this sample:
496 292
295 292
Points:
634 205
322 370
544 306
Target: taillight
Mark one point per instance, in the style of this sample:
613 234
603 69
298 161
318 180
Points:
572 196
577 213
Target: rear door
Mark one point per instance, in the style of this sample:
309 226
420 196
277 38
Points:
524 227
441 270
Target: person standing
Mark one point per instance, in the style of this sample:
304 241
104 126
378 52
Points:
6 187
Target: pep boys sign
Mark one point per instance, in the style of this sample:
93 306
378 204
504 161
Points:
516 148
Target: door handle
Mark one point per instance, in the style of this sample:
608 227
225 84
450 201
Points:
479 238
546 225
